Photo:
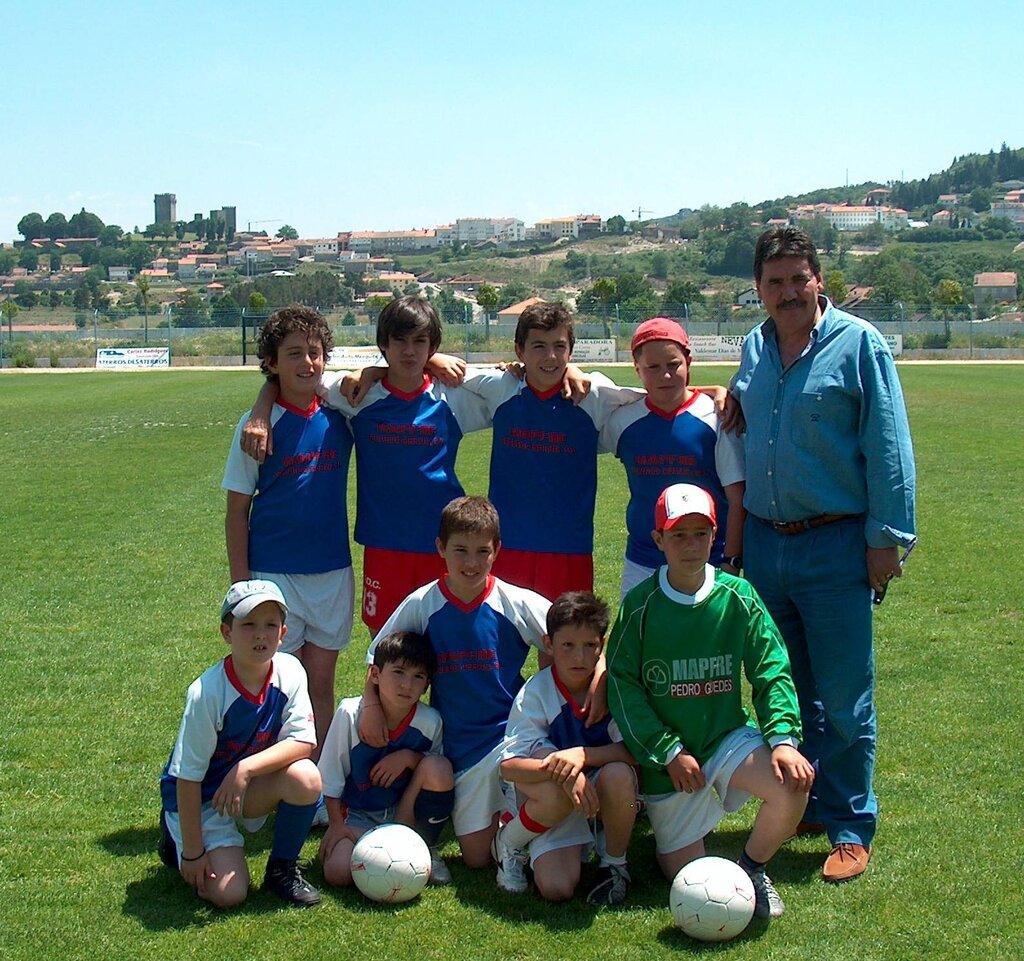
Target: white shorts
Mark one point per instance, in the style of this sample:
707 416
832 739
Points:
219 830
480 793
319 608
575 829
632 574
679 819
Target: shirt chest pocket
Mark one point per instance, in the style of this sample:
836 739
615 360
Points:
823 416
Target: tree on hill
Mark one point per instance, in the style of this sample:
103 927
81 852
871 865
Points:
84 224
835 286
56 226
681 292
616 225
32 226
8 259
488 298
110 235
512 293
287 232
10 310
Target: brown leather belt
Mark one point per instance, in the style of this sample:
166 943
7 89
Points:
798 527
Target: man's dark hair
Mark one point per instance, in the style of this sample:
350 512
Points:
406 647
578 609
544 317
288 320
779 242
408 315
469 515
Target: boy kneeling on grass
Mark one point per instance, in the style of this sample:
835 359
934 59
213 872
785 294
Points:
243 751
674 660
565 773
407 780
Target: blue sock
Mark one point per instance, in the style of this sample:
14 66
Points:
432 811
291 828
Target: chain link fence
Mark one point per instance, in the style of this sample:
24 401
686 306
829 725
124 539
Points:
229 336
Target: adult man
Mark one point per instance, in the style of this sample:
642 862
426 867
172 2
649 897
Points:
828 441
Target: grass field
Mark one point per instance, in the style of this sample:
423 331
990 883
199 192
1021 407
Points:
112 567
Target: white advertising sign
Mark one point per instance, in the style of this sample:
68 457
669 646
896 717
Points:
594 352
895 342
133 358
713 347
352 358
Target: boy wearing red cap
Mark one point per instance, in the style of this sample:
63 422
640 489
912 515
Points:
674 437
675 656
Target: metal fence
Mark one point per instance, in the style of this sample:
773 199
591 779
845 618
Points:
192 336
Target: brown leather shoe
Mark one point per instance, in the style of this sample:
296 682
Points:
846 861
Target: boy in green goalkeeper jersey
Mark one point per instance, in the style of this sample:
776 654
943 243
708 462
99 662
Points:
674 660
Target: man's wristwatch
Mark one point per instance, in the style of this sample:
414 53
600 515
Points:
735 561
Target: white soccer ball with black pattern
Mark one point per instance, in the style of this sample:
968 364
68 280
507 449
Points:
391 863
712 899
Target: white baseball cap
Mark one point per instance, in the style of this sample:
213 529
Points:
682 500
243 596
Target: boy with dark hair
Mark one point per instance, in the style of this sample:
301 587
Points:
675 655
407 780
565 772
544 441
286 518
243 751
482 630
407 428
674 435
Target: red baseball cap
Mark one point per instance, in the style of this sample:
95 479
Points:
682 500
659 328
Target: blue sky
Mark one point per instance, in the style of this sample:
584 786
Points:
335 116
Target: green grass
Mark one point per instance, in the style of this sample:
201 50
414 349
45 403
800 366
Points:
113 567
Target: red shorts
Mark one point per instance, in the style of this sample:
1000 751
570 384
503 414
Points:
389 577
547 574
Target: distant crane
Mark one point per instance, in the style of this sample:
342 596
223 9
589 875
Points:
640 213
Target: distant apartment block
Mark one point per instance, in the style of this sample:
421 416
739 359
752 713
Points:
1012 210
165 208
850 217
556 228
997 287
391 241
475 230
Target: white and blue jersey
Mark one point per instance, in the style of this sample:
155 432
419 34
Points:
298 521
224 722
346 762
481 649
406 445
545 716
658 449
545 442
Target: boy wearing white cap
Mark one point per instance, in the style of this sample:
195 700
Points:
675 656
243 751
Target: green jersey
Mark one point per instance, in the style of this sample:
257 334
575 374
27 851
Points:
674 671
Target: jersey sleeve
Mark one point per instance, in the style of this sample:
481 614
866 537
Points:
527 729
197 735
470 410
730 462
297 719
606 397
411 615
649 740
241 472
432 726
335 762
491 385
330 391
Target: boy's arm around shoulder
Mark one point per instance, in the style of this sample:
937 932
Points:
257 439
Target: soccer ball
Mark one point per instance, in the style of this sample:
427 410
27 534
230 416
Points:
391 863
712 899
